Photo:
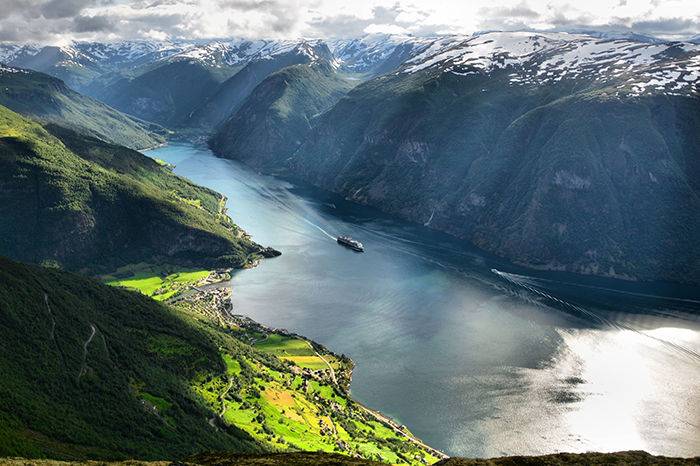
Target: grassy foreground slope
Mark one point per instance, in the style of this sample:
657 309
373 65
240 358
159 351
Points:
86 205
92 371
96 372
31 93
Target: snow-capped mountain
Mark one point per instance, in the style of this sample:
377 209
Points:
560 151
377 51
358 55
126 54
240 52
546 58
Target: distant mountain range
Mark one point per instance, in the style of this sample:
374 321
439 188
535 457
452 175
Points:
560 151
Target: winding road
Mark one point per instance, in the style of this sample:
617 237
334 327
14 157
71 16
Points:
82 369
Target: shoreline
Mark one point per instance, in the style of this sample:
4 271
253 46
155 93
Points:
222 291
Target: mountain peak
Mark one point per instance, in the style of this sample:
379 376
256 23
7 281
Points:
541 58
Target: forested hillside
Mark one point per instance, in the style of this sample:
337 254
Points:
276 117
82 204
38 95
92 371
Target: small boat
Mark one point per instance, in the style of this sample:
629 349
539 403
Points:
351 243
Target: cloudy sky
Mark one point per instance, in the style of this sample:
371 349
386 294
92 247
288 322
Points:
56 22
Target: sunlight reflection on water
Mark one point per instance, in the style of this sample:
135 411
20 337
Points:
476 363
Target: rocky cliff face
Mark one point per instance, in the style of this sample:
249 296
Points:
556 151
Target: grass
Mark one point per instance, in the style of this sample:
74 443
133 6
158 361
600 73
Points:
233 366
292 349
160 404
158 281
299 410
311 362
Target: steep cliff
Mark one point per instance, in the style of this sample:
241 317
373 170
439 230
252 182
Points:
555 151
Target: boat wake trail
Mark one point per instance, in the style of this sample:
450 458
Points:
281 200
319 228
596 317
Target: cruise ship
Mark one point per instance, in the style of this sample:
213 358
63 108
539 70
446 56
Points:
351 243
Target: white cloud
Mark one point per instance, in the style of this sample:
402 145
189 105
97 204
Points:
384 29
51 21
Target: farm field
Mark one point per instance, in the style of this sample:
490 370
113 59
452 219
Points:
160 282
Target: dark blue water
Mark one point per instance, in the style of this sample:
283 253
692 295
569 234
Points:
478 357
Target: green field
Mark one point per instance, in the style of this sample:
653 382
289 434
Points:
158 281
292 349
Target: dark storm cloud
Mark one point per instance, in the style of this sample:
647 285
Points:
56 9
669 25
10 7
93 24
9 33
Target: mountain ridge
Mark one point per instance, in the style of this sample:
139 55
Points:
88 205
38 95
467 137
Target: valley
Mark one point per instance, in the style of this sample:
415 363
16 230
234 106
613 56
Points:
474 362
529 204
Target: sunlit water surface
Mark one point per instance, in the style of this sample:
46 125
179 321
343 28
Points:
479 358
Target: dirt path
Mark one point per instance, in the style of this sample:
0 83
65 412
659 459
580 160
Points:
82 369
223 403
53 335
324 360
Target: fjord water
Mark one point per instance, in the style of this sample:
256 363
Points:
478 357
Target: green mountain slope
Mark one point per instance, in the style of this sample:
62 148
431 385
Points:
231 94
35 94
166 94
84 364
87 205
93 371
275 119
599 185
583 175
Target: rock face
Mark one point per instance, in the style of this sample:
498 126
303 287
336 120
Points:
556 151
